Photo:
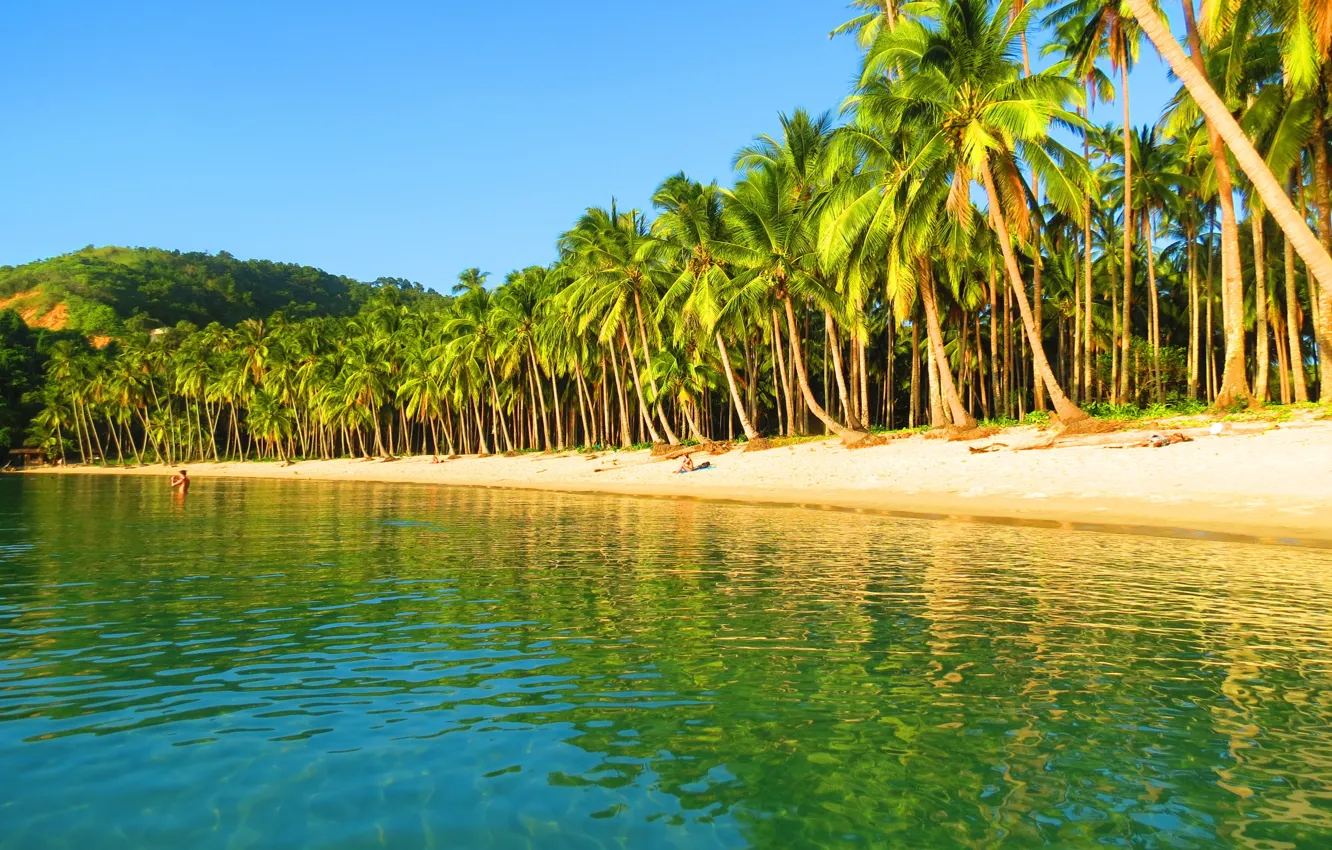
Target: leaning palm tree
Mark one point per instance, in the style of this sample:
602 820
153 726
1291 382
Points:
804 155
962 87
1292 223
771 244
617 282
892 207
690 223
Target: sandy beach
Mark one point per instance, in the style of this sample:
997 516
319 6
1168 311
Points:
1261 480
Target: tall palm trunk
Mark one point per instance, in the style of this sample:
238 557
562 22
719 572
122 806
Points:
235 430
671 436
559 411
1211 322
483 449
584 402
541 395
1127 262
1155 306
92 429
643 410
1066 410
1194 325
786 381
1291 222
447 419
1282 363
1087 273
995 409
1037 303
947 388
1262 353
78 432
751 369
864 378
913 416
778 401
890 357
1038 300
687 408
802 378
115 436
1323 201
374 417
750 432
129 437
834 347
495 403
1293 318
938 413
626 437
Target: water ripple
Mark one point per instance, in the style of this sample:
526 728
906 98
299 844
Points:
340 666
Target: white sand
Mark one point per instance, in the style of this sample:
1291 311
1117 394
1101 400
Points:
1257 480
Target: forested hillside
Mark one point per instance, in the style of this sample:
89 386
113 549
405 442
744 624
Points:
97 290
101 298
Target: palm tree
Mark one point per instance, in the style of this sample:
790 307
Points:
771 245
891 207
961 84
365 382
804 155
612 257
1315 255
1098 28
690 224
1158 176
520 308
473 329
866 228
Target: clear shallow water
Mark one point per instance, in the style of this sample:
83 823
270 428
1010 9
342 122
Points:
317 665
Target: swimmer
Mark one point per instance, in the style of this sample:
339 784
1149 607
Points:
181 482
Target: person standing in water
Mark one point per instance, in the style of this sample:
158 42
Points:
180 482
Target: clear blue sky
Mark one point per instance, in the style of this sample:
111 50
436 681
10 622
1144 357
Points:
396 138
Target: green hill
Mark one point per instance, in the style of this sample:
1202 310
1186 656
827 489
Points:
97 290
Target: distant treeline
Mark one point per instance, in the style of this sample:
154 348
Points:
118 294
108 290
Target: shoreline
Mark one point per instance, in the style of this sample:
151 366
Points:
1264 482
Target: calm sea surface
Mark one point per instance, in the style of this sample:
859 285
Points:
288 665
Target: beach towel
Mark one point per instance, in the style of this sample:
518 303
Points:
699 468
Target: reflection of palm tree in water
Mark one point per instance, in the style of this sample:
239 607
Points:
773 672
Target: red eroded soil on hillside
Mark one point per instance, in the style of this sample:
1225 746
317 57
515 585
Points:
54 319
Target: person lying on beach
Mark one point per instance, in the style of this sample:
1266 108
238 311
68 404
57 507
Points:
1158 441
181 481
688 466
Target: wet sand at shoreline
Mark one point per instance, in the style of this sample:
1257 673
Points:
1264 480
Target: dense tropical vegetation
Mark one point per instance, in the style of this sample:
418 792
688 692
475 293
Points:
963 245
107 291
21 377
